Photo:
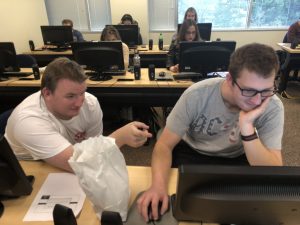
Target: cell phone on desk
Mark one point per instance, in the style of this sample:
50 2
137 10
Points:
26 78
125 79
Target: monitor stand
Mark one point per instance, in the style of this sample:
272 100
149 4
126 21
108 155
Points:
100 76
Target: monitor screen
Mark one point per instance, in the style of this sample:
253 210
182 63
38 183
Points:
205 57
13 181
8 58
129 34
99 57
261 195
60 36
204 30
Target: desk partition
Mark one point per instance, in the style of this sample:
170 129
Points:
141 92
154 56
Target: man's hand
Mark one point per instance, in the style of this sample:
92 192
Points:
153 196
175 68
246 119
134 134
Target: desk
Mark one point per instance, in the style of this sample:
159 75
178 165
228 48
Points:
112 92
15 210
292 62
154 56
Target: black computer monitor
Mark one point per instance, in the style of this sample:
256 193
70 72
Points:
254 195
99 57
8 59
129 34
59 36
204 30
13 181
205 57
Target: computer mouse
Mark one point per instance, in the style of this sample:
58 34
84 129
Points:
162 74
1 208
150 211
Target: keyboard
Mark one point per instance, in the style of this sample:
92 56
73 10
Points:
108 72
17 74
188 76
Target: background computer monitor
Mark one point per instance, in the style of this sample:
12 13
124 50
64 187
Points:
8 58
13 181
204 30
60 36
129 34
261 195
205 57
99 57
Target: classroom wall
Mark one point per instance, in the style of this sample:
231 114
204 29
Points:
20 21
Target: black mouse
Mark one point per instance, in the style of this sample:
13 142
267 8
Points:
1 208
162 74
150 211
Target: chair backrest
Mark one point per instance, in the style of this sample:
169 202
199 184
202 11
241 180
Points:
3 120
26 61
285 38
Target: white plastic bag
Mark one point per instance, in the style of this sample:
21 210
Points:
102 173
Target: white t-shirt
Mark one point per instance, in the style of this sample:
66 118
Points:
205 123
35 133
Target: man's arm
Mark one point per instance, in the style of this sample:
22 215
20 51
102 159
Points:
256 152
61 160
134 134
161 164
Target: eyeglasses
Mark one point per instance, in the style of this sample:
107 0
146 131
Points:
251 93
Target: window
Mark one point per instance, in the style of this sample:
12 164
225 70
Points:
162 15
243 14
88 15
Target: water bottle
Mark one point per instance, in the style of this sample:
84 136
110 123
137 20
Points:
137 66
160 42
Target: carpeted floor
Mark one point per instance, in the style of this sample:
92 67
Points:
291 140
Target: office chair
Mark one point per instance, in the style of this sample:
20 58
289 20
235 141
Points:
3 120
25 61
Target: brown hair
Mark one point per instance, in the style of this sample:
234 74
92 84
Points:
62 68
67 21
183 29
254 57
109 30
192 10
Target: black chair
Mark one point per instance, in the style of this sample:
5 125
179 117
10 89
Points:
3 120
26 61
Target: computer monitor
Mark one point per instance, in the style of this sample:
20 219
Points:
204 30
59 36
255 195
205 57
99 57
13 181
129 34
8 57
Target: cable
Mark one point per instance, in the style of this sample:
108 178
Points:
285 95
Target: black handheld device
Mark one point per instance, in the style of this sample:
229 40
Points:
36 72
151 72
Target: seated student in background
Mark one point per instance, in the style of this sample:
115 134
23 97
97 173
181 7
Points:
188 32
110 33
127 20
77 36
47 124
237 120
190 14
293 34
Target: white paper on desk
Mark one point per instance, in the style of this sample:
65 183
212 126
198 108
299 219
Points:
61 188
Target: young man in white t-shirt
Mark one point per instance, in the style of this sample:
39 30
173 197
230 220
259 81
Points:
237 120
47 124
